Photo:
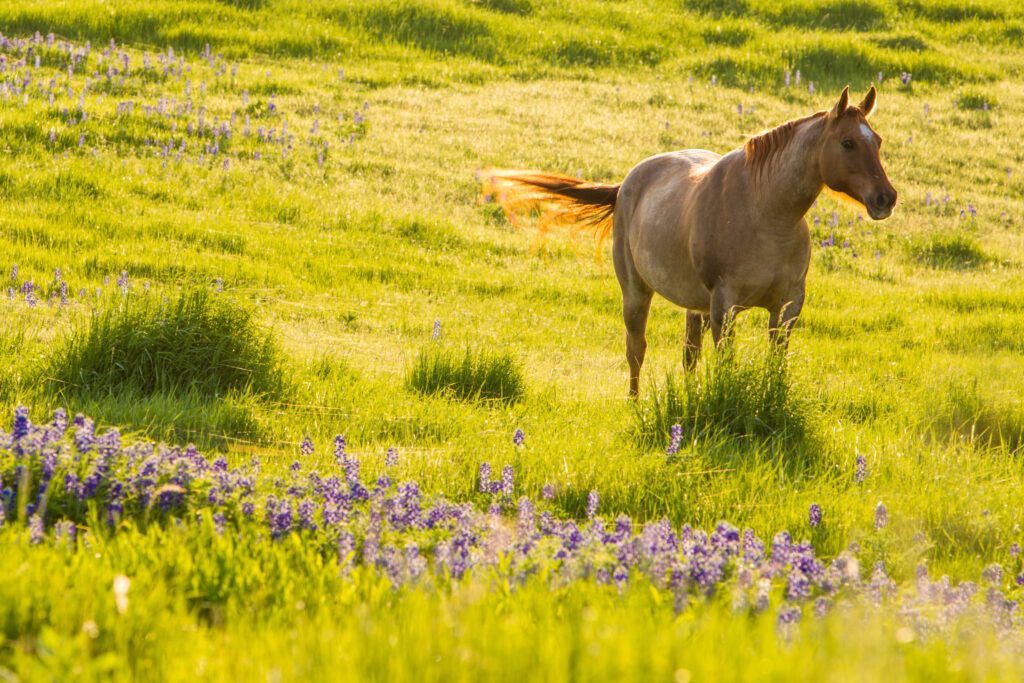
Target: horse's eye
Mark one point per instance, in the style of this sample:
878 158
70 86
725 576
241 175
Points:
848 144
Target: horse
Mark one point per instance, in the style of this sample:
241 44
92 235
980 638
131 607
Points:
715 234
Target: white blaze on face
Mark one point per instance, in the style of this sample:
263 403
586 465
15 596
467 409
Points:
869 135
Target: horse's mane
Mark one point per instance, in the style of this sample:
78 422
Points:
763 147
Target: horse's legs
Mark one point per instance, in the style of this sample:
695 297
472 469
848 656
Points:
636 304
723 305
782 318
695 323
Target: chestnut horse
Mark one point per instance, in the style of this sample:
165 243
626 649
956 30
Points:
715 234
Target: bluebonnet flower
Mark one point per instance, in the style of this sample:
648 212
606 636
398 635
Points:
993 573
391 457
219 522
307 512
593 500
676 437
35 527
861 469
518 437
280 518
1014 549
547 492
339 450
814 516
881 516
306 447
798 587
753 547
485 477
507 480
22 425
789 614
904 78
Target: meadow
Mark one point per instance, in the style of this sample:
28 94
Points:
283 396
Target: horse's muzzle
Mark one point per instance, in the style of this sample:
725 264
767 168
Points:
881 204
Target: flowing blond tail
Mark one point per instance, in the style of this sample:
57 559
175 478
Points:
563 201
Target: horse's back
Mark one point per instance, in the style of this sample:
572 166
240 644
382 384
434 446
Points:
650 223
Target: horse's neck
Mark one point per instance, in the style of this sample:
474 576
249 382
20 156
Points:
792 183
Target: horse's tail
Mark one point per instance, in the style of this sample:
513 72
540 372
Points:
562 201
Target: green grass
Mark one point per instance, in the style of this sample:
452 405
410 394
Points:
197 342
908 353
466 374
735 393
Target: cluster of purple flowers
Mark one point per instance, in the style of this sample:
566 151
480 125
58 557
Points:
67 468
173 121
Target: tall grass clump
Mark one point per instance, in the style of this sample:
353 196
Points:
467 374
732 393
198 342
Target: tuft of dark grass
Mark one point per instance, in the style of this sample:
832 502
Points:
974 99
466 374
198 341
732 393
955 250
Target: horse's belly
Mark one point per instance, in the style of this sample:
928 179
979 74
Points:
670 273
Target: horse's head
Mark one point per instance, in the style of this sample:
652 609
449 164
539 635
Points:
849 160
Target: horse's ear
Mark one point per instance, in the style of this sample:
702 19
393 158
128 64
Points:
868 103
842 104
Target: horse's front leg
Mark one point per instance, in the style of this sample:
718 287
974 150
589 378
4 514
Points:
723 312
782 318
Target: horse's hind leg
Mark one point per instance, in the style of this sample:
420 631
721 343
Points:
723 312
636 304
695 323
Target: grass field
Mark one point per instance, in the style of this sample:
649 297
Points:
253 225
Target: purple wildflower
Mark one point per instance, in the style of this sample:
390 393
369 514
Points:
436 334
391 457
789 614
507 480
306 447
993 573
676 437
35 528
219 522
881 516
861 469
339 450
485 477
547 492
518 437
593 500
814 516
